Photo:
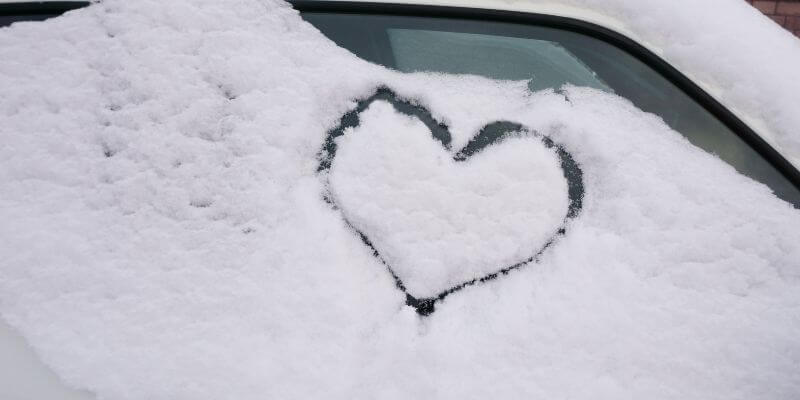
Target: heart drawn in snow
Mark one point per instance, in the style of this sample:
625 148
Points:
441 220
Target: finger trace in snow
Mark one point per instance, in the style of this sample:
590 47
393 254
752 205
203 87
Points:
435 225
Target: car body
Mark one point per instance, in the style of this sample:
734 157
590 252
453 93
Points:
750 127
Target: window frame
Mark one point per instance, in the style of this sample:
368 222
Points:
613 38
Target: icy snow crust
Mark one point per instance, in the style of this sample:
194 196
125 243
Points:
164 234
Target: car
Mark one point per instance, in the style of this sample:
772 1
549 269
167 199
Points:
664 200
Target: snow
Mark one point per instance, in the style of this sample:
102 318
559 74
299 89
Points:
24 376
165 235
753 73
437 221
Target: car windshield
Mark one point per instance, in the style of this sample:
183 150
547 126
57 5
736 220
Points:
548 58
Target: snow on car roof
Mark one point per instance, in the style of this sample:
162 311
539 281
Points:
177 224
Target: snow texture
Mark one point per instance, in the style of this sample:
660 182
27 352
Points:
750 62
439 222
165 236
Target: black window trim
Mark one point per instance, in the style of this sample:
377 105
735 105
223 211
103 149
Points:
708 102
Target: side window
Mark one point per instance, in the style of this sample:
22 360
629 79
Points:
547 64
549 57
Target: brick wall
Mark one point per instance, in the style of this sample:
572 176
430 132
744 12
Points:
785 12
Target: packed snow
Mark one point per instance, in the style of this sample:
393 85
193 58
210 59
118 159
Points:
439 222
165 233
748 61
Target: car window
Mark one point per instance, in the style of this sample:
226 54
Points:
548 57
545 63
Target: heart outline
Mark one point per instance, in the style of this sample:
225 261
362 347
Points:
488 135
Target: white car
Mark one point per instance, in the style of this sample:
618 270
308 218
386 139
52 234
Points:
632 232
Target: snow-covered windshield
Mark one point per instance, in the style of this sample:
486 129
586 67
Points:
170 228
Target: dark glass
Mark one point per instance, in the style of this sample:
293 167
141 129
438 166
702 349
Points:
549 57
6 20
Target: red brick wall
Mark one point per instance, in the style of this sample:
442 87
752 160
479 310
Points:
785 12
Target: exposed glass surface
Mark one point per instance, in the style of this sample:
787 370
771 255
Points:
548 58
6 20
544 63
